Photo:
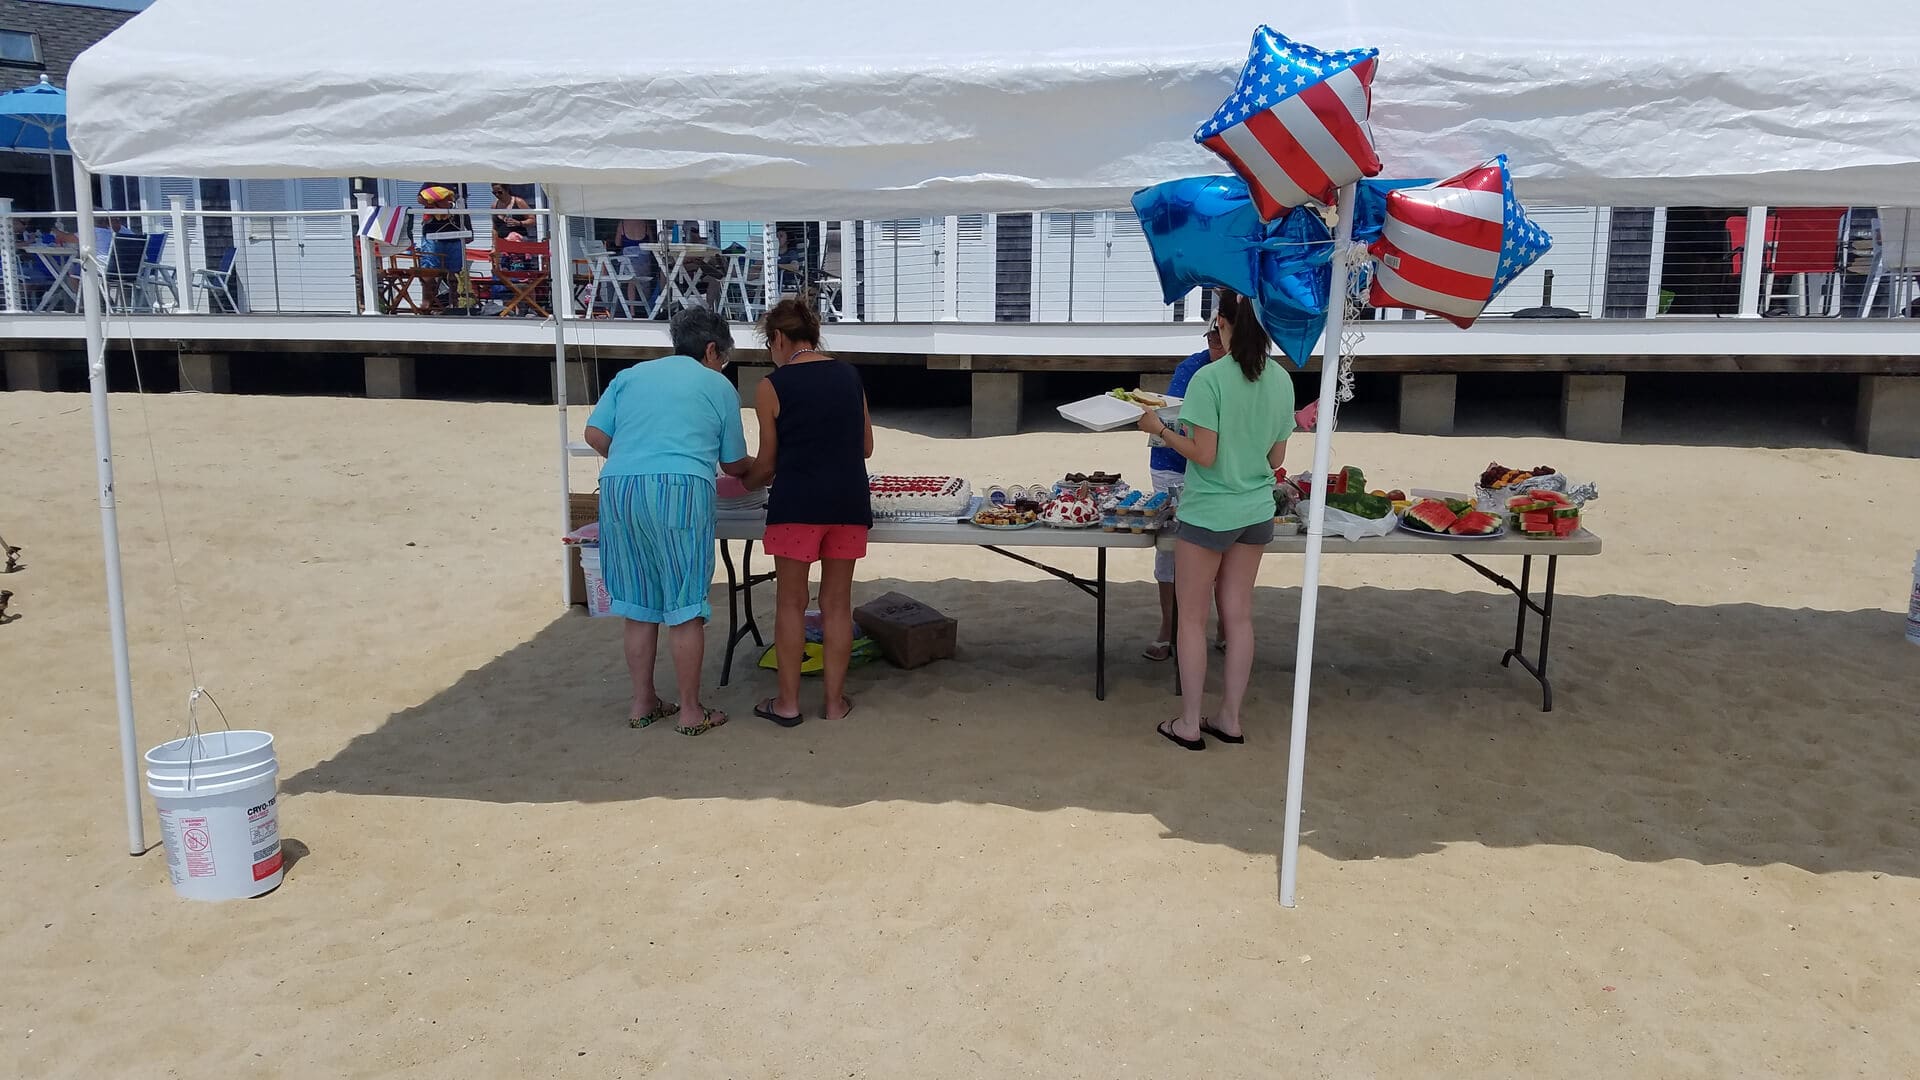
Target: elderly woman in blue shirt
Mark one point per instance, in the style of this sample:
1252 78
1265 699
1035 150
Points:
666 427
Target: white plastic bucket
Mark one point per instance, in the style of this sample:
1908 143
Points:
218 817
1913 604
599 600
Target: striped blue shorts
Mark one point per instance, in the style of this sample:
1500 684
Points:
656 546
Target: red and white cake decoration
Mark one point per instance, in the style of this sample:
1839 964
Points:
1071 511
919 494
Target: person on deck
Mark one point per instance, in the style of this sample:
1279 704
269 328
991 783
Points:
666 428
815 439
1239 412
518 217
443 242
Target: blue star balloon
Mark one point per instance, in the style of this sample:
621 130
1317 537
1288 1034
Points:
1205 231
1296 127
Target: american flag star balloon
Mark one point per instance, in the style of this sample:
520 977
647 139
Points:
1295 128
1449 247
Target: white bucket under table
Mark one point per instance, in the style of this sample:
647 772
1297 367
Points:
599 600
216 794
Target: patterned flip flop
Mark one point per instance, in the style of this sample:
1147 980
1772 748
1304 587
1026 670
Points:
660 712
707 723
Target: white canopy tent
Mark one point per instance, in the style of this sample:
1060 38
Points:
858 109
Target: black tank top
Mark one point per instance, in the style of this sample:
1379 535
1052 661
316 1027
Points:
820 468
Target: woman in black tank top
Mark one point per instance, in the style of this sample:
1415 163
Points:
815 439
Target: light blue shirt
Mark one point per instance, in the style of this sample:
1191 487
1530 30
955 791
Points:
671 415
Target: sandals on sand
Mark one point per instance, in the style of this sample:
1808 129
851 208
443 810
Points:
845 700
1165 729
709 719
1209 729
1159 652
765 711
660 712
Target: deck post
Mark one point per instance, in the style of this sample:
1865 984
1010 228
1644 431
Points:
1753 262
369 266
10 260
849 274
182 254
950 272
1656 260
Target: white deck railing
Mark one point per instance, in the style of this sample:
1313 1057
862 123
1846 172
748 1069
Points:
1048 268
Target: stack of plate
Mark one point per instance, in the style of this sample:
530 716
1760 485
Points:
732 497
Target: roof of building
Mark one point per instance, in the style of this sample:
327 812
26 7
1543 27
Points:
66 31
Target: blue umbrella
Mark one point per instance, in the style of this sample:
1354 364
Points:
34 119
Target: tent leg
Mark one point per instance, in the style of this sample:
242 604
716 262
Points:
91 302
1316 524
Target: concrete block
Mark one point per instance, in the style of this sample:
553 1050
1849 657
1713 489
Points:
1426 404
1591 407
33 371
1889 416
390 377
749 376
208 373
580 388
997 398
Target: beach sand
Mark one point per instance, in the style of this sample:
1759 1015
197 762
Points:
1705 862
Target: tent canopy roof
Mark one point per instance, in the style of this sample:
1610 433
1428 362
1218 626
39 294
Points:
866 108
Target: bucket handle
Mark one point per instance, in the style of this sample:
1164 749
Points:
193 725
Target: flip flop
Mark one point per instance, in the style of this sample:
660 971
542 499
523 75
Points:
707 722
842 716
764 711
1184 744
1156 647
660 712
1234 740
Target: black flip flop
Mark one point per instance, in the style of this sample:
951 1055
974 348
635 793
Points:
764 711
1233 740
1184 744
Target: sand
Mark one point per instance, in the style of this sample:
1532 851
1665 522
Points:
1702 863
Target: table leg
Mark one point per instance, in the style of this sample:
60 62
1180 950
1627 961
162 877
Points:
746 575
1537 665
733 612
1100 628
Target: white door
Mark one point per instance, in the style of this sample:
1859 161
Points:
904 267
296 263
975 261
1069 266
1132 285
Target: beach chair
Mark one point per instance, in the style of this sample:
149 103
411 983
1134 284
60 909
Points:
124 254
1896 261
608 274
221 286
155 276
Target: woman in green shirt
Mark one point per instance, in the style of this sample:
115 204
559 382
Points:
1237 415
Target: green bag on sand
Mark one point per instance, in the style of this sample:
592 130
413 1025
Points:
864 650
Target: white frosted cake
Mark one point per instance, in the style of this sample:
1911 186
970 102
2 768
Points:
893 495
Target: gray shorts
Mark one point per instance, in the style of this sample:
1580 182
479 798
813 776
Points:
1259 534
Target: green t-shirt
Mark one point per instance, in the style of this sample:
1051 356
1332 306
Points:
1237 489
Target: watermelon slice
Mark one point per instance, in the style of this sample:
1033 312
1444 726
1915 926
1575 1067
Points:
1555 497
1430 515
1475 523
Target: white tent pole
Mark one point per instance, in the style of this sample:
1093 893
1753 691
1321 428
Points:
91 301
1316 524
560 274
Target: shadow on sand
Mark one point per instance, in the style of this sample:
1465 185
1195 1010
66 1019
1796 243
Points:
1663 744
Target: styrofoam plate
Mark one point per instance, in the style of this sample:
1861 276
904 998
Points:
1104 412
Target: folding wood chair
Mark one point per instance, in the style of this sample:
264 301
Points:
521 265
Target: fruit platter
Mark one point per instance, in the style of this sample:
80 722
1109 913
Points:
1497 483
1454 519
1544 515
